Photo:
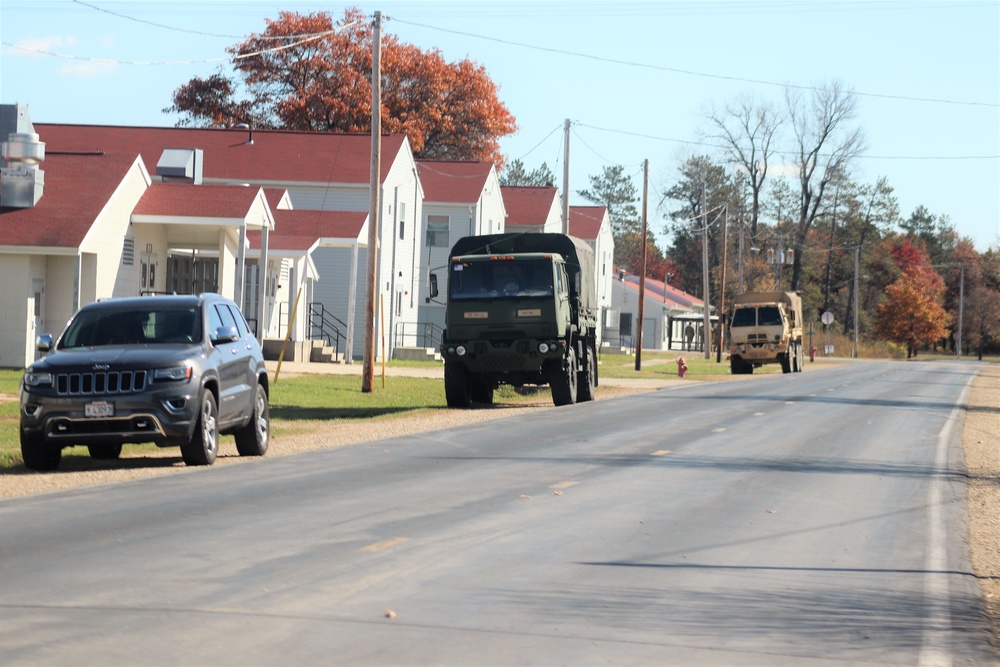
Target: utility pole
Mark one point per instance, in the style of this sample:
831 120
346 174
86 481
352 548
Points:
857 265
706 334
722 290
368 368
642 264
961 304
565 201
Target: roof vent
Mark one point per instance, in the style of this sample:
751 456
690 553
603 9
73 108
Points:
21 180
181 164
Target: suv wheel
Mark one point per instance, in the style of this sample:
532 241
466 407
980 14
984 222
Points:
204 444
37 456
105 452
252 439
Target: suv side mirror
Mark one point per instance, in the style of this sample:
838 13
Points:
225 335
44 342
433 289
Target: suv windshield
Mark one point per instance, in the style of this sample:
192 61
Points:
163 325
490 279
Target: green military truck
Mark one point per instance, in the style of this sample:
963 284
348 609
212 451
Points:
766 328
521 310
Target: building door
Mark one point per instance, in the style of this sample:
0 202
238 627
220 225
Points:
650 341
38 306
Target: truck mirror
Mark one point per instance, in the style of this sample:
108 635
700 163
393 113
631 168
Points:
433 289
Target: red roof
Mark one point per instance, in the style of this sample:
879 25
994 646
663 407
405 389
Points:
528 205
299 229
273 155
76 190
196 201
453 182
585 221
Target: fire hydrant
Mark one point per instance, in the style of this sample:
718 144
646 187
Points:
682 367
812 353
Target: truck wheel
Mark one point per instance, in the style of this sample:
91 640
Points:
740 366
786 361
800 361
104 452
253 439
587 379
456 389
564 383
482 391
37 456
204 444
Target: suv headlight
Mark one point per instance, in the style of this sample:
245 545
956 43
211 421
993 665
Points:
173 373
32 379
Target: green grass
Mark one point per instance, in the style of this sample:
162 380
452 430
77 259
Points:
297 404
663 366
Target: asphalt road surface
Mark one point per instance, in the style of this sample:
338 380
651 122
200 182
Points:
806 519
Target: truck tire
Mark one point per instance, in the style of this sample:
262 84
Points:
37 456
740 366
786 360
482 391
203 447
253 439
587 379
564 382
456 386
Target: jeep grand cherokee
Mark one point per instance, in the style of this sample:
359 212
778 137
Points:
171 370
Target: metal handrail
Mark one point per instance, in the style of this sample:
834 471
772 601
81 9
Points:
325 326
426 334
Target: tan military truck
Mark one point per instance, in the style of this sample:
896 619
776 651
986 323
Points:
766 328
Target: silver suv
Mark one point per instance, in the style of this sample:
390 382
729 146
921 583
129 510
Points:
171 370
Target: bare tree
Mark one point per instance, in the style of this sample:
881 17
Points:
748 129
824 147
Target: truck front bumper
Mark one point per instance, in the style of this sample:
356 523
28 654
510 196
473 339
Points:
504 356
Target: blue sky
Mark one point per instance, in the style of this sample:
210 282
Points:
634 77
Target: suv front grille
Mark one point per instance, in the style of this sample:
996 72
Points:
106 382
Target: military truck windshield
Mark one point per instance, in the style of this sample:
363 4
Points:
490 279
155 325
769 316
745 317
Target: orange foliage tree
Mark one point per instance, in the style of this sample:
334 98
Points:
306 73
912 314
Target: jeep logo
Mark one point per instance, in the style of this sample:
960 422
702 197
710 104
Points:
101 367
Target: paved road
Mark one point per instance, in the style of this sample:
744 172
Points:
809 519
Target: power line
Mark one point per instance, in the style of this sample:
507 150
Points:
676 70
642 135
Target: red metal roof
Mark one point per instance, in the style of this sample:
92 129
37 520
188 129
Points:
453 182
273 155
528 205
196 201
77 188
299 230
585 221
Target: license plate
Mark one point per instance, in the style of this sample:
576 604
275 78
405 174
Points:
99 409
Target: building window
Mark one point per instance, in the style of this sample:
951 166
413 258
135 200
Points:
437 231
402 219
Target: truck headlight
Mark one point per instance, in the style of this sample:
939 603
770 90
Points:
460 350
543 347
